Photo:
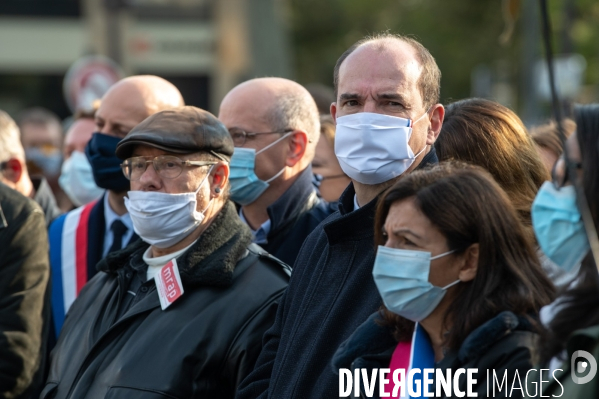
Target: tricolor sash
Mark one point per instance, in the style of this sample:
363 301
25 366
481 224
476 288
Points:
68 260
417 354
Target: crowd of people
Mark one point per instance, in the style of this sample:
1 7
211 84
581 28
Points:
155 250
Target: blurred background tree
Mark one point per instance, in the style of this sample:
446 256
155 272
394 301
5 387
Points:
463 36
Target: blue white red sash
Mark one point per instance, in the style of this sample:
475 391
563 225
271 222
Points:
68 260
417 354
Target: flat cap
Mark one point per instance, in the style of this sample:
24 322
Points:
183 130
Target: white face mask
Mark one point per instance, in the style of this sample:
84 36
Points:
77 180
373 148
163 219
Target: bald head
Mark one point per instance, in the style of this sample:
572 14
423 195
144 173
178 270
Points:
133 99
429 75
280 103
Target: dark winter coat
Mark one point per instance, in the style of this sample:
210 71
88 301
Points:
201 346
24 295
331 292
504 343
293 216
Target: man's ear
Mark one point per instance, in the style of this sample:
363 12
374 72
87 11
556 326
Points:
298 144
220 177
334 112
436 120
13 170
470 267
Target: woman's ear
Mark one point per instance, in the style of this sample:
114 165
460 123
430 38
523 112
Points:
470 266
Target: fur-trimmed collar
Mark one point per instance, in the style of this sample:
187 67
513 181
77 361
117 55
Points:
210 261
483 337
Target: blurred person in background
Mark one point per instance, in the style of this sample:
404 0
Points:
275 125
573 319
485 133
329 177
79 239
14 172
388 117
76 177
323 96
548 142
196 335
42 138
474 289
24 293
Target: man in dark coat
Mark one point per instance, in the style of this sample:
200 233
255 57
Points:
24 301
278 120
181 313
83 236
387 90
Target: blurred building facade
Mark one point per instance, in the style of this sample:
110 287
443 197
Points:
204 47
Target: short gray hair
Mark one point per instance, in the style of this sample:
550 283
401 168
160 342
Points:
10 139
296 110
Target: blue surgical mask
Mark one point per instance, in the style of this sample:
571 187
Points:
401 277
77 180
558 226
100 152
246 187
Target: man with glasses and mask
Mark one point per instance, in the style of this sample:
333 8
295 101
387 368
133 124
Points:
181 313
387 118
79 239
275 126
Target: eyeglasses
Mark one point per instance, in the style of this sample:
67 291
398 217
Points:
167 166
239 136
559 173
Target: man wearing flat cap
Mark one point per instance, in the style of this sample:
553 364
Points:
180 313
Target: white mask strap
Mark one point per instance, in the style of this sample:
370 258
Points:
422 116
452 284
275 176
443 254
274 142
203 181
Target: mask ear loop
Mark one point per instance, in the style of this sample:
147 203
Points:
267 147
274 142
200 186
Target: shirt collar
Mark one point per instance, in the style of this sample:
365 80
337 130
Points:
110 216
260 235
356 205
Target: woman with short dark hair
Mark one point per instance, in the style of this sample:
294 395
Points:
457 261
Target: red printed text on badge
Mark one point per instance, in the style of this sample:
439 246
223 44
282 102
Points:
168 284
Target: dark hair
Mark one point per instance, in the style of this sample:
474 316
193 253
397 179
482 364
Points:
429 81
546 135
467 206
487 134
579 306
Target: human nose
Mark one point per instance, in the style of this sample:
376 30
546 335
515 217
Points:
150 180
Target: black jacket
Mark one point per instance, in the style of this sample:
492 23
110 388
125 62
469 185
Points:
24 295
202 346
331 292
504 343
293 216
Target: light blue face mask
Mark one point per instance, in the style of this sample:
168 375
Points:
246 187
558 226
401 277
